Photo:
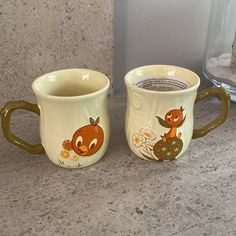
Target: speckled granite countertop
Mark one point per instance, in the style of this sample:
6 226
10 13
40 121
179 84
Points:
122 194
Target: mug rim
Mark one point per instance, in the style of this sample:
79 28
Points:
85 96
143 90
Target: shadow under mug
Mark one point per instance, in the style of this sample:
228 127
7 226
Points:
74 121
159 112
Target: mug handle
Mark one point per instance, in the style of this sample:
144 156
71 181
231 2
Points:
6 111
225 101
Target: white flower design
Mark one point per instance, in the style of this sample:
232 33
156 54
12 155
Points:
138 139
148 134
150 144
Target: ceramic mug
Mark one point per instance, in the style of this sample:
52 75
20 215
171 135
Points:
74 122
159 113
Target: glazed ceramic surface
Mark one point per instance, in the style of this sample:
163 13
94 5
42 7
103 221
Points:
159 121
74 122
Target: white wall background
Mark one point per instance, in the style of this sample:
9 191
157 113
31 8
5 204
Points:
159 32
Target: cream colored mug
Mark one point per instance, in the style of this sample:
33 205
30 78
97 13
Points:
74 121
159 113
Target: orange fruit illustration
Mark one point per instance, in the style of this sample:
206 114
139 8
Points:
174 117
88 139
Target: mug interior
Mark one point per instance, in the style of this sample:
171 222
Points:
162 78
70 83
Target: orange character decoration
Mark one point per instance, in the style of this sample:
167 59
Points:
173 120
170 146
87 140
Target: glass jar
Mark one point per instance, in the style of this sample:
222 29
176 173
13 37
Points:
220 54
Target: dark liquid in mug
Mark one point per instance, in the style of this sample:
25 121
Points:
163 84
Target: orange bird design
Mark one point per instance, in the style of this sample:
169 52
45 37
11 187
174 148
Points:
173 120
87 140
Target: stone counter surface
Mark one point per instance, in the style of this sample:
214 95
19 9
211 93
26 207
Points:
122 194
37 37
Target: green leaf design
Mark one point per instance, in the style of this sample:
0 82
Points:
91 121
97 120
162 122
94 122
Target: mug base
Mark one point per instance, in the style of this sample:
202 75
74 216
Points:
62 164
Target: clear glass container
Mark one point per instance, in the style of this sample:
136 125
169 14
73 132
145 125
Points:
220 54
